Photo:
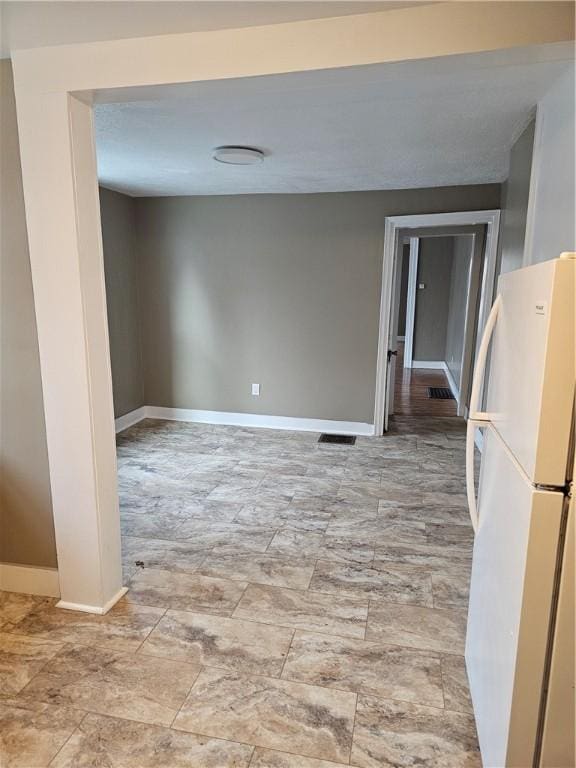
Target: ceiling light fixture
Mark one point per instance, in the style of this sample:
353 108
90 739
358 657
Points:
238 155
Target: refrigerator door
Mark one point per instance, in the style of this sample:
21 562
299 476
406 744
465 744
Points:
530 390
511 590
558 740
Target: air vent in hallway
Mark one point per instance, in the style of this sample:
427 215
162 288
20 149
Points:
440 393
339 439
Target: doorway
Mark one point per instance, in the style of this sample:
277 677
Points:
473 287
440 272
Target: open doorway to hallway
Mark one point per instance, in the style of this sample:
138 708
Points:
436 313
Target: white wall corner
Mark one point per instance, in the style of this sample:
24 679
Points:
99 610
29 580
130 418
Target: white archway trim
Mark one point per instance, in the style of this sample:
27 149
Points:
55 88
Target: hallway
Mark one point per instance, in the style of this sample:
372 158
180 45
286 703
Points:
291 605
411 390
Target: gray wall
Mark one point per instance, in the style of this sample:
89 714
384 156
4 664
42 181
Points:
459 278
515 193
431 317
403 290
122 273
282 290
26 527
555 198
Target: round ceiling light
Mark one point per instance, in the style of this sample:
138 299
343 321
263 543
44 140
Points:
238 155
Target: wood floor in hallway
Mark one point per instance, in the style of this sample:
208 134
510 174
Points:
291 605
411 390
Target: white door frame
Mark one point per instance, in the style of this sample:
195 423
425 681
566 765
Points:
55 89
393 225
411 302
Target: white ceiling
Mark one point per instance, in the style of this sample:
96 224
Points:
37 24
380 127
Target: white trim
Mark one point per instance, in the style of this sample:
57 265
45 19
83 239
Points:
390 243
401 338
97 609
491 218
411 301
29 580
452 384
436 365
130 418
259 420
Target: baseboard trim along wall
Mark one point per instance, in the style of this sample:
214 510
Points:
436 365
29 580
99 610
452 384
244 420
130 418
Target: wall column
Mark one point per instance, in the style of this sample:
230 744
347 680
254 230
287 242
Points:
70 301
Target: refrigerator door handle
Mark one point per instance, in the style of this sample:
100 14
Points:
478 418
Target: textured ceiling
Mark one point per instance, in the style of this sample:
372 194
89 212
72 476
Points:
381 127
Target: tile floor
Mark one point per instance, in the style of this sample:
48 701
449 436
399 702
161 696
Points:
291 605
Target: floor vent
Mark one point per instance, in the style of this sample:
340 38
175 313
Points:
339 439
440 393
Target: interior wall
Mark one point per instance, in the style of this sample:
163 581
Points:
280 290
122 276
431 316
457 300
554 200
515 194
26 524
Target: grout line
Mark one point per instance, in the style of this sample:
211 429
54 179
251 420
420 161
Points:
165 611
185 699
287 654
74 730
353 729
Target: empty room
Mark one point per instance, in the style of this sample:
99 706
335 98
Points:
287 385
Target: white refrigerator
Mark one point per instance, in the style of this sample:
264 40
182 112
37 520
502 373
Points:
520 636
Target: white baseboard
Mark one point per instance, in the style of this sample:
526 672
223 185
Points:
401 338
452 384
130 418
437 365
29 580
244 420
258 420
99 610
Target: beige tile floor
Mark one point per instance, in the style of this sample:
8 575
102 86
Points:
291 605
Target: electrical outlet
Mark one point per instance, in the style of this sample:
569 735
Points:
421 286
256 390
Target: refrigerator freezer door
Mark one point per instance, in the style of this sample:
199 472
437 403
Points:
558 747
511 589
531 381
